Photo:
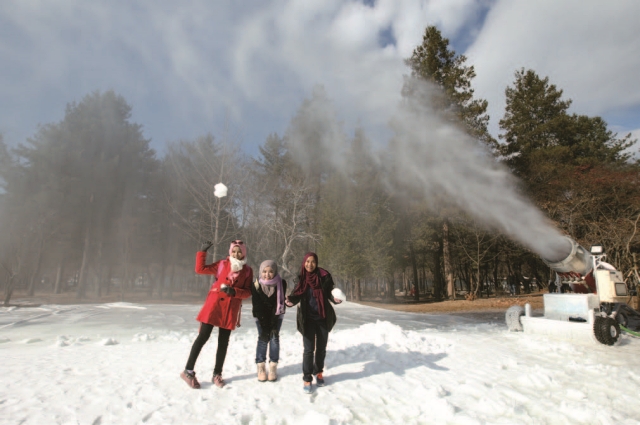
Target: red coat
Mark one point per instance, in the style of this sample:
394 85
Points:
220 309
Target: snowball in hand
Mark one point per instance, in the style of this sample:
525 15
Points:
220 190
338 294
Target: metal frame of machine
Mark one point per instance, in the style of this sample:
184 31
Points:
596 309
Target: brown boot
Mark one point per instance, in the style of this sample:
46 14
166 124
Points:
273 367
217 380
190 379
262 372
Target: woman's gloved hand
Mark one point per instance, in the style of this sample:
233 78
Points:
228 290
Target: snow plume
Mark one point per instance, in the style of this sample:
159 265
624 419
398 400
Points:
433 157
315 137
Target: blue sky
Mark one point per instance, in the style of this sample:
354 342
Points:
240 70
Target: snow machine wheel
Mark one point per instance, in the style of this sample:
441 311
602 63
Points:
606 330
512 317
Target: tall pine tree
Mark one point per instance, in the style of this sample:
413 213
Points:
541 138
435 62
453 99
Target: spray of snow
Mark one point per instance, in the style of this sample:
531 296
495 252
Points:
433 158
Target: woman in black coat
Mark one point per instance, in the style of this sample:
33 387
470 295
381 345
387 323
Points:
267 298
315 318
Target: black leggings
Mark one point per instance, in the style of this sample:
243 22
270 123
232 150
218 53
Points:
203 336
314 339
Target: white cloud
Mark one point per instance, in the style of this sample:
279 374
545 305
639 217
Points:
588 48
452 15
187 68
336 44
635 149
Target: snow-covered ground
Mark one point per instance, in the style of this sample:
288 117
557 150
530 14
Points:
119 364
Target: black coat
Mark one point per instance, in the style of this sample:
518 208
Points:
264 307
327 284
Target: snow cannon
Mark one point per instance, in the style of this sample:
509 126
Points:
575 268
590 306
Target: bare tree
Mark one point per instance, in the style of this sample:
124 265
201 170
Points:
476 244
292 226
197 167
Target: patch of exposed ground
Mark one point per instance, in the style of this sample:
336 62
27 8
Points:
493 304
401 303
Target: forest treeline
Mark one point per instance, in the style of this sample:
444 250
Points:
86 206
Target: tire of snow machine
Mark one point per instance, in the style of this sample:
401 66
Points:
512 317
606 330
597 325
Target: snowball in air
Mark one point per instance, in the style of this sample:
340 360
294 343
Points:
220 190
338 294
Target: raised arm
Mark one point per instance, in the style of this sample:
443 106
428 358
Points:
202 267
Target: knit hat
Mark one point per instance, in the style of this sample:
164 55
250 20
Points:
240 244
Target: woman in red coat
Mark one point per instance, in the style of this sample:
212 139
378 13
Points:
222 306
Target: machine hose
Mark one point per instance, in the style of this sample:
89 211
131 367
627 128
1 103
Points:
630 331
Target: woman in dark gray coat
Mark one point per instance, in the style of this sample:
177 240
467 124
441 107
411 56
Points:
315 318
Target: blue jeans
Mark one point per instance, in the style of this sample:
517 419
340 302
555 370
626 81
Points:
273 341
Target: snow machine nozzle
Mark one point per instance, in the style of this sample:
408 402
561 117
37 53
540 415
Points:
571 258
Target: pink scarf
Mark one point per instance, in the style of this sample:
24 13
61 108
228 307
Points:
277 280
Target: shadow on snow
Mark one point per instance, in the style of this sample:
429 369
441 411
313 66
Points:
378 360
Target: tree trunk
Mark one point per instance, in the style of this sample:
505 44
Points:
36 272
107 281
358 292
438 281
446 256
57 288
171 280
125 277
8 290
478 283
496 266
162 277
99 272
85 252
83 267
152 281
416 295
391 288
96 281
446 260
